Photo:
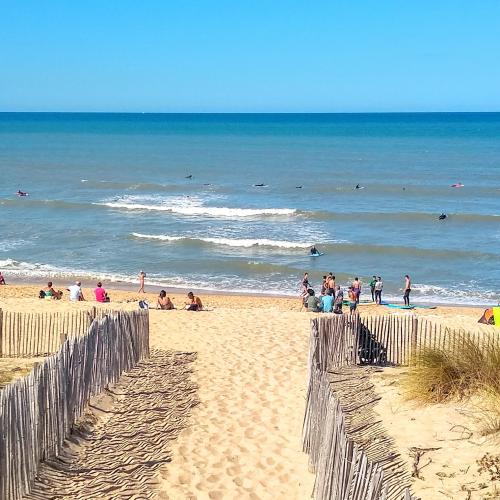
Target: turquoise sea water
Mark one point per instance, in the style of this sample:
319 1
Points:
108 196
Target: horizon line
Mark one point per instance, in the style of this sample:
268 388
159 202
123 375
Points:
250 112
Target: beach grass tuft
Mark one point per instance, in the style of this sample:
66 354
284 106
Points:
439 375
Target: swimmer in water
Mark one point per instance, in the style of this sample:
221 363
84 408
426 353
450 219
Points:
357 186
443 216
259 185
190 176
21 193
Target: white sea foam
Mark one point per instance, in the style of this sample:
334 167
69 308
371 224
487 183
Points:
195 209
245 243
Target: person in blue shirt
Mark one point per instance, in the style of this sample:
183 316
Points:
327 302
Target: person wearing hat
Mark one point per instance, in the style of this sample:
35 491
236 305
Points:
75 292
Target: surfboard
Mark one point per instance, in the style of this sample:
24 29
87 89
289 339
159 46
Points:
317 254
425 307
397 306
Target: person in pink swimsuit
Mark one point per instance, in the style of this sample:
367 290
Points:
100 293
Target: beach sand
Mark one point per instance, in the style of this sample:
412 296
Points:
243 439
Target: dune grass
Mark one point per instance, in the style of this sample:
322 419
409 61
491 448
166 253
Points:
441 375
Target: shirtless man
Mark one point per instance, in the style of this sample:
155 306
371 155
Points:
406 295
142 275
194 303
356 288
331 284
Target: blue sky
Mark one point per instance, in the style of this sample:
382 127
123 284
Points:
250 56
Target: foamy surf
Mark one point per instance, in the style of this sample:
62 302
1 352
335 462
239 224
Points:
203 210
231 242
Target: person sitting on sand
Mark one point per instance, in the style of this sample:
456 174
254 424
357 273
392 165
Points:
75 292
327 302
339 299
164 302
50 293
2 279
313 303
100 293
194 303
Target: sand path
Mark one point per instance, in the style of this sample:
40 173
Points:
245 435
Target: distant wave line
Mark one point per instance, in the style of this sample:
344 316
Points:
203 210
232 242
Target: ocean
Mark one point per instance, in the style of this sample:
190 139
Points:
109 195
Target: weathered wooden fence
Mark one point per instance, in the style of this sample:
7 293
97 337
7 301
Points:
24 334
343 469
387 340
37 412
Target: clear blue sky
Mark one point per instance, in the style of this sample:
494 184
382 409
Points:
250 55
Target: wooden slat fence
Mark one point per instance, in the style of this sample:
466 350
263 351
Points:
343 470
25 334
38 411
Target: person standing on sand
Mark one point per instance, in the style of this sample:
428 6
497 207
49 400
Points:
339 299
353 299
2 279
379 285
142 275
372 287
406 295
356 288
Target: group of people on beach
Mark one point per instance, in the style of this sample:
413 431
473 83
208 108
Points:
75 292
331 298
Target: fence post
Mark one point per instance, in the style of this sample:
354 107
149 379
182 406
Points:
1 333
414 334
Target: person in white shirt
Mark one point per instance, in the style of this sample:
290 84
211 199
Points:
75 292
379 285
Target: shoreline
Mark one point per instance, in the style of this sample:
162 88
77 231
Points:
126 286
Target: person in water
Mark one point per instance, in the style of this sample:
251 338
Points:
314 250
164 302
21 193
194 303
442 216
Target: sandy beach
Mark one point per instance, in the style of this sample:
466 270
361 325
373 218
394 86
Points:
243 439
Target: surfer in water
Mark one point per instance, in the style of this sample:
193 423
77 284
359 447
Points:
443 216
260 185
21 193
314 250
190 176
